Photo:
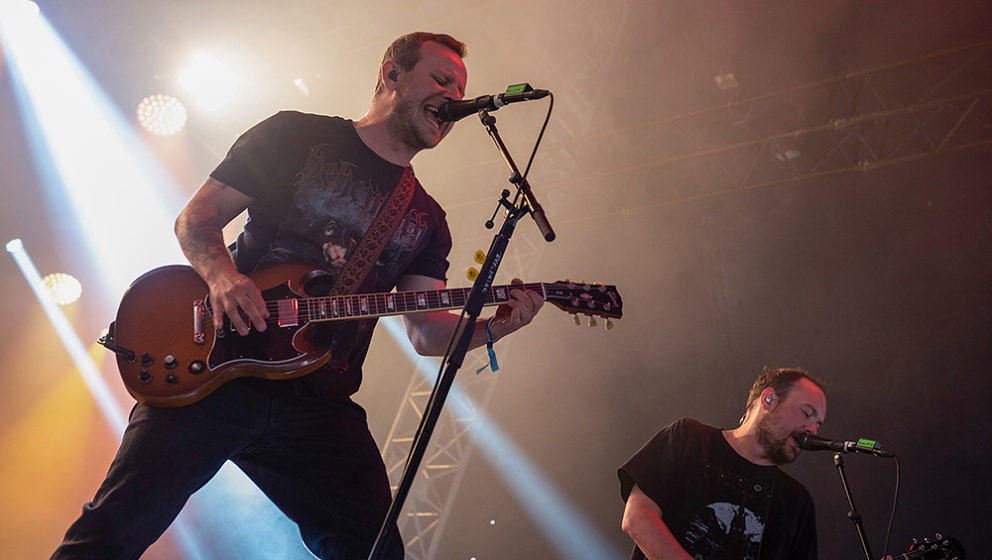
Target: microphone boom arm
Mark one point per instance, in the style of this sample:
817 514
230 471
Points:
535 208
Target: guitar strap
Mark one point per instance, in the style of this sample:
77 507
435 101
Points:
379 233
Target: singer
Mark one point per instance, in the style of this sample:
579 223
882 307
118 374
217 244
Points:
313 186
696 491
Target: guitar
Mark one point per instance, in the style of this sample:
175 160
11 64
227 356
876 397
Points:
170 355
937 548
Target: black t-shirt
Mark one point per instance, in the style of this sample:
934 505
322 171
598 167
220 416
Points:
700 484
316 188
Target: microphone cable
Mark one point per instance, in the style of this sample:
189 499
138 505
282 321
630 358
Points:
892 516
551 106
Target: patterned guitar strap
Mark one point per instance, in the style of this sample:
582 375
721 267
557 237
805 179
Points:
379 233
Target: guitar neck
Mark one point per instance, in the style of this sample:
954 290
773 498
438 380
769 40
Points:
363 306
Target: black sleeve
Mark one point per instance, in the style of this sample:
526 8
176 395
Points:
656 465
255 155
433 260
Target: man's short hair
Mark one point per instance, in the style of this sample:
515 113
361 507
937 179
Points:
780 379
405 51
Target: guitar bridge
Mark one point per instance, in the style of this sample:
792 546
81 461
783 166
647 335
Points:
199 309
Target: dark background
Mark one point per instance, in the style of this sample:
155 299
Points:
876 281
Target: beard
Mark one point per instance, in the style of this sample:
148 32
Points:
407 126
776 446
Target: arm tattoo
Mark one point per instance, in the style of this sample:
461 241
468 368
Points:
202 240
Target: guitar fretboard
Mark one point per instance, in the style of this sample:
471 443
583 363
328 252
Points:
356 306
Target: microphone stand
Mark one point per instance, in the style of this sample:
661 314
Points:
463 334
853 514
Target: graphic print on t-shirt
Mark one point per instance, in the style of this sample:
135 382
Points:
711 530
336 207
729 528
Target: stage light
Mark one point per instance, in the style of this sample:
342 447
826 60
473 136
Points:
94 381
302 86
121 203
726 81
211 82
64 288
161 114
15 8
786 155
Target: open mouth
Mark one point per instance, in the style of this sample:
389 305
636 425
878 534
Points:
430 113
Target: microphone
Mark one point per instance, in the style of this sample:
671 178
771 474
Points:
451 111
809 442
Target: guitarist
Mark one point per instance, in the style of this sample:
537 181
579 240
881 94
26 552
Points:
312 186
695 491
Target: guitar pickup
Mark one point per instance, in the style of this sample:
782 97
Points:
288 311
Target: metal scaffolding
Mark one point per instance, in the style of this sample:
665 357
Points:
855 122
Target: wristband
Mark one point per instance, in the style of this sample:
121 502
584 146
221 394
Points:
493 365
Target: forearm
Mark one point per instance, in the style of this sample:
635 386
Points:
654 538
431 337
430 332
201 238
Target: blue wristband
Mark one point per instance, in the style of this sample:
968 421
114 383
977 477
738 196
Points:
493 365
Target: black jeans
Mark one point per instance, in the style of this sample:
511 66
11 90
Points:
314 458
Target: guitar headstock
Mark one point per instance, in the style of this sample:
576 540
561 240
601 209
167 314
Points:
939 547
585 298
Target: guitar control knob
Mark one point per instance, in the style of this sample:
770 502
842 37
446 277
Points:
144 377
197 367
169 362
146 359
171 378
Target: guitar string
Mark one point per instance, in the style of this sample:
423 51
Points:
407 299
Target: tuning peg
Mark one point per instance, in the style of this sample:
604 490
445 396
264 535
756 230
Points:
609 324
592 321
575 317
480 257
472 273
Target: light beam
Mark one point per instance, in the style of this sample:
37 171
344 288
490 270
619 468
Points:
565 527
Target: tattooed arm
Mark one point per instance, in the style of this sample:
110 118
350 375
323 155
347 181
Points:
199 228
